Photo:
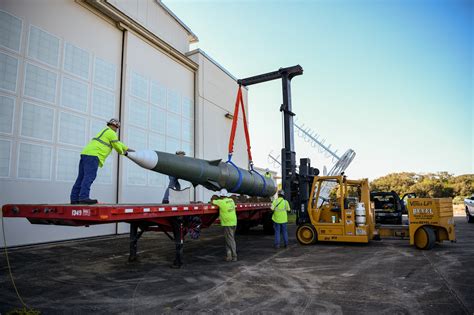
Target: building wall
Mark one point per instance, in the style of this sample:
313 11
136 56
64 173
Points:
58 88
216 92
152 16
62 78
158 115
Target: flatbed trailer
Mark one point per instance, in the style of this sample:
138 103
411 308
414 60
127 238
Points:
178 219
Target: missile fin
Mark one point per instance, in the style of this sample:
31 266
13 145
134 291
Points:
210 184
215 162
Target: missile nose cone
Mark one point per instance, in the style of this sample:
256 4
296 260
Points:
145 158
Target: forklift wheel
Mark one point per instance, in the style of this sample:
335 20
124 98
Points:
306 234
425 238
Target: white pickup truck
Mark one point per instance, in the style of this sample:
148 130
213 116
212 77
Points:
469 203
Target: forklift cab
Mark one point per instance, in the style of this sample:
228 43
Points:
339 210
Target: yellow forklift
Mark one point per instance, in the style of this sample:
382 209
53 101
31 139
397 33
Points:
333 208
340 210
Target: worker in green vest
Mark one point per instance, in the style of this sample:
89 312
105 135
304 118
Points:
228 218
92 157
280 208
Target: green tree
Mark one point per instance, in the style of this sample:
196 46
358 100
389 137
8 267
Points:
436 185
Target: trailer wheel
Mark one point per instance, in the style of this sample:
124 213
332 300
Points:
243 228
268 225
425 238
306 234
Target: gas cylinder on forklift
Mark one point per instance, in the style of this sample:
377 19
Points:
340 211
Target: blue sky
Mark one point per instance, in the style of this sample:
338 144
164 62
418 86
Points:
392 80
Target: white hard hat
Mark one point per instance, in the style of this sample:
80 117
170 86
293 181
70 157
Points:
114 122
223 192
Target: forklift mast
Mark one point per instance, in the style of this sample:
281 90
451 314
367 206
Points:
296 186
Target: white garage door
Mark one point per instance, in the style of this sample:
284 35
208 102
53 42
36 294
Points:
158 115
58 86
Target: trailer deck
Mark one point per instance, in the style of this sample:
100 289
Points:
67 214
180 219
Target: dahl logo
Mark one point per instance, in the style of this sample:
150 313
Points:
420 203
422 211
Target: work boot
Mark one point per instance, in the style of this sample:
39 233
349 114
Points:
88 201
228 258
234 258
165 202
75 202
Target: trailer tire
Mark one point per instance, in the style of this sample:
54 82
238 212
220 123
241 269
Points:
306 234
425 238
268 225
243 228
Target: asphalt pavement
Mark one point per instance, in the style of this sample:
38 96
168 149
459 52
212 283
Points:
382 277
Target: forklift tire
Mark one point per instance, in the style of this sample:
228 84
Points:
425 238
306 234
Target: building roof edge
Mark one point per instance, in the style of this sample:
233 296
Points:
192 37
199 51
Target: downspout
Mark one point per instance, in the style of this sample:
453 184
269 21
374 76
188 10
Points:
121 110
196 86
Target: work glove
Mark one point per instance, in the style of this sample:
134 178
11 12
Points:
129 150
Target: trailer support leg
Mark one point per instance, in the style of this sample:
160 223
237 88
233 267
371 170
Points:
134 237
178 233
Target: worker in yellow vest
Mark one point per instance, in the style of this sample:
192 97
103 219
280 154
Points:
228 218
92 157
280 208
173 183
268 174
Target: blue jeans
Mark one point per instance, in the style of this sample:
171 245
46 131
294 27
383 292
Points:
87 173
280 227
174 184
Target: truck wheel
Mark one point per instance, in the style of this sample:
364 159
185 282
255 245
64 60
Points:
469 217
425 238
306 234
268 225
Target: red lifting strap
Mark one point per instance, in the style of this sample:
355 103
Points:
240 101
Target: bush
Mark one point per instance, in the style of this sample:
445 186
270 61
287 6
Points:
434 185
458 200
